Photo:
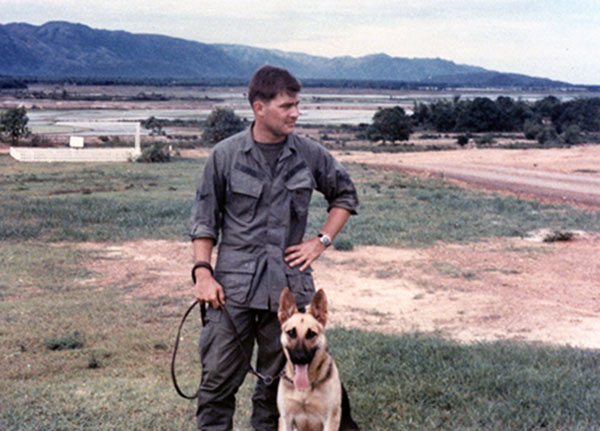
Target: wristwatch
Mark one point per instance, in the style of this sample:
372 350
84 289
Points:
325 239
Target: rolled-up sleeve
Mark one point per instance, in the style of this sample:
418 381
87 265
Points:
336 185
207 214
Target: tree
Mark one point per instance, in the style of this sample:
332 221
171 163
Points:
479 115
571 135
390 124
443 117
421 115
220 124
155 153
532 128
154 125
548 137
13 123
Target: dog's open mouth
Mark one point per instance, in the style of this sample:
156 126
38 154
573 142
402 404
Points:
301 377
301 357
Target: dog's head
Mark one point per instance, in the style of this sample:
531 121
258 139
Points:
302 334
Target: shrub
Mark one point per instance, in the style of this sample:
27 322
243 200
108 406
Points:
531 129
548 136
390 124
39 141
462 140
220 124
13 125
71 341
155 153
486 139
571 135
343 245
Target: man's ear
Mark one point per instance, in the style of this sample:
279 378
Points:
258 107
287 305
318 307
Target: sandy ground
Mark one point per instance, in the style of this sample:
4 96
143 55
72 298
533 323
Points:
563 160
520 289
569 175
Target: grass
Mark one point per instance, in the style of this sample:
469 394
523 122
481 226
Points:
420 382
400 210
110 369
95 202
115 202
118 377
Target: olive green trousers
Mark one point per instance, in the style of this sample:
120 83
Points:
224 367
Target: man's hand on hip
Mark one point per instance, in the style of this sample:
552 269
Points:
304 254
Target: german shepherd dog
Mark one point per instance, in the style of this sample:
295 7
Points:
310 396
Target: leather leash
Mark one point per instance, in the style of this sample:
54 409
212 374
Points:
267 380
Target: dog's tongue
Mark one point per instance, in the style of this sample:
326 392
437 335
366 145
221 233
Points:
301 377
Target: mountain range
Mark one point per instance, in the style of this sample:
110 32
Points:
60 49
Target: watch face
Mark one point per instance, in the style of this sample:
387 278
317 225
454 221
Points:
325 239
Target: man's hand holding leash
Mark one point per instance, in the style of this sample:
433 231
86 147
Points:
207 289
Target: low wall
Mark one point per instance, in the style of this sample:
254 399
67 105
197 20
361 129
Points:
34 154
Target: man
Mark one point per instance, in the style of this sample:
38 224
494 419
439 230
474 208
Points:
254 192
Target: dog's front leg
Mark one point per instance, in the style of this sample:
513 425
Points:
332 422
285 423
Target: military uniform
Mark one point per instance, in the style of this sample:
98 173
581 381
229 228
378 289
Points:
256 212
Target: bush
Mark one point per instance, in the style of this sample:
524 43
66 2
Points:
531 129
220 124
548 136
486 139
13 125
343 245
66 342
462 140
39 141
390 124
155 153
571 135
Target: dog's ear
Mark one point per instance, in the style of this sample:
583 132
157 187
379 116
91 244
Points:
287 305
318 307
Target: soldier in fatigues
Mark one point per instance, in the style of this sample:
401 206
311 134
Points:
253 198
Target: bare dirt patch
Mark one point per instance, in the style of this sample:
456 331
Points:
505 288
569 175
499 289
582 159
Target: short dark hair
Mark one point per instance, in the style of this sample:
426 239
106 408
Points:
269 81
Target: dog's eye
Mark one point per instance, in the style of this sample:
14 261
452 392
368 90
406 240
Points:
292 333
310 334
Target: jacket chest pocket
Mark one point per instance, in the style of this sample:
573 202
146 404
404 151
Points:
300 188
244 196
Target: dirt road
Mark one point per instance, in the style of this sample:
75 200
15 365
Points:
566 175
574 188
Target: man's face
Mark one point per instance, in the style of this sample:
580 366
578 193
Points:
279 115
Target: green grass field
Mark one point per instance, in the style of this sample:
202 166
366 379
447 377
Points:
77 356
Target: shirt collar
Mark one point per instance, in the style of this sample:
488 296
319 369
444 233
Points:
288 148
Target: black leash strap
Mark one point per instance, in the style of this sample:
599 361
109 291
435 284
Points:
173 376
267 380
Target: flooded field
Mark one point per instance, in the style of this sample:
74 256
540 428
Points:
98 110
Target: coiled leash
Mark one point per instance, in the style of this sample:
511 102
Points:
267 380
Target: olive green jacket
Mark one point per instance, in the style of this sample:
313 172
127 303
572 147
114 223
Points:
257 215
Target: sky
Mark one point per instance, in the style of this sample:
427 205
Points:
553 39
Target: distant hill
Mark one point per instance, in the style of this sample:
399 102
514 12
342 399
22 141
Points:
60 49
